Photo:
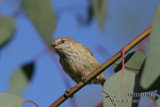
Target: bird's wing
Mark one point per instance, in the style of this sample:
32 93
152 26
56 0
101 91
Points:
88 50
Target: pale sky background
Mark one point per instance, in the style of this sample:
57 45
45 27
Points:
126 19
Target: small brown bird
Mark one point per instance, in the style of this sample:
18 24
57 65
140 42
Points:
76 59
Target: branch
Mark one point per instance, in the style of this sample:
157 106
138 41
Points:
100 69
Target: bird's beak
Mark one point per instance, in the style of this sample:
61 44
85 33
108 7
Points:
53 45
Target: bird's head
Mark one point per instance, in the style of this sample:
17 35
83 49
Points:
62 44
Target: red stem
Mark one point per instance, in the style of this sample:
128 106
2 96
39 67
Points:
128 67
32 102
123 68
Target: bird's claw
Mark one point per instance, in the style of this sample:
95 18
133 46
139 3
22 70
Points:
67 92
83 79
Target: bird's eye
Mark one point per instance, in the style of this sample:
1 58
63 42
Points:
62 41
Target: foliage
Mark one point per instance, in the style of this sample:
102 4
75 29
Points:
145 80
10 100
133 63
42 15
141 73
21 78
6 30
153 59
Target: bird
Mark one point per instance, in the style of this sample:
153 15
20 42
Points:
76 59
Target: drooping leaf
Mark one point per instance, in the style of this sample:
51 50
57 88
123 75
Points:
158 102
6 30
151 73
100 11
10 100
42 16
112 86
21 78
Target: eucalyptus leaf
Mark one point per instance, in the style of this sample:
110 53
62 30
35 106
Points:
42 16
21 78
10 100
112 86
133 62
6 30
100 11
158 102
151 74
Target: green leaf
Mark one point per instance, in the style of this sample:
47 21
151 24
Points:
152 68
158 102
112 86
133 62
42 16
21 78
10 100
6 30
100 11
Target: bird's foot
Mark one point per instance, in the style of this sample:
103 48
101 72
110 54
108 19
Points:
67 92
84 79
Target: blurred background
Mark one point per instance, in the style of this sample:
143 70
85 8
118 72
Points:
29 69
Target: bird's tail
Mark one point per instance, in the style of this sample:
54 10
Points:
99 80
103 81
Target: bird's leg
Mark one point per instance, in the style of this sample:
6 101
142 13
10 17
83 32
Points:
67 92
90 83
97 78
84 79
